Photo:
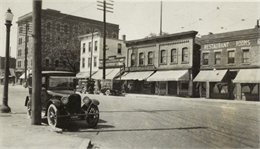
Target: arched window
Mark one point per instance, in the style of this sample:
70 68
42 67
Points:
114 35
174 56
132 59
56 63
47 62
141 58
163 56
150 58
185 55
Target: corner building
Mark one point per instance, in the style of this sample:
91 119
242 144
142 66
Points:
163 65
230 65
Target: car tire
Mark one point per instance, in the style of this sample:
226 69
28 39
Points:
52 116
92 119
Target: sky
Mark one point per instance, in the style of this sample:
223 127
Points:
138 18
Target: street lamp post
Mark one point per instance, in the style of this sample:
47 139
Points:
8 22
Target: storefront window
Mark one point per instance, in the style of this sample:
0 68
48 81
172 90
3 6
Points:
184 86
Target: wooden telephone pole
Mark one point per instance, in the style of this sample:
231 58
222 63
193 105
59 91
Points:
37 67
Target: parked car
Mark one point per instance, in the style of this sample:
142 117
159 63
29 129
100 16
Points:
60 102
86 86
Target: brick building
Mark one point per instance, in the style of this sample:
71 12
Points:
230 65
163 65
60 43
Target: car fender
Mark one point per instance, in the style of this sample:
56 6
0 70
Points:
95 102
56 102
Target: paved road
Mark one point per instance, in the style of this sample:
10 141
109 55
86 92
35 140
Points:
130 122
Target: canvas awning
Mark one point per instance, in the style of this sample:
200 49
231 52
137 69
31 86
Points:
110 74
170 75
12 74
84 74
23 75
141 75
248 76
210 76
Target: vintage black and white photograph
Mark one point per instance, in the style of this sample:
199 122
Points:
129 74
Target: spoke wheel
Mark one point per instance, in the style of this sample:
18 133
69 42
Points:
93 118
52 116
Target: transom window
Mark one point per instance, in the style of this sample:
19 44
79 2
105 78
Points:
245 56
141 59
150 58
174 56
231 57
163 56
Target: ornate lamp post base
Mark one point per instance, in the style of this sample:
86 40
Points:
5 109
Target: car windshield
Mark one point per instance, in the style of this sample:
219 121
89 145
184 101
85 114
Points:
56 82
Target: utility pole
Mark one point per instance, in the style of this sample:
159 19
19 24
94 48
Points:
105 7
37 67
26 51
91 54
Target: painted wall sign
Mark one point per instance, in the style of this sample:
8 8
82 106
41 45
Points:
243 43
216 45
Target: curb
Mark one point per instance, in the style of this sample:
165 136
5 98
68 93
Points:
86 144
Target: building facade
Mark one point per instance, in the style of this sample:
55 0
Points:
230 65
163 65
12 74
60 43
115 57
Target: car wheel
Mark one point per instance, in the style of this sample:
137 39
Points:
52 116
93 117
107 92
29 110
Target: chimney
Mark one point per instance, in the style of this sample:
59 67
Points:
257 24
123 37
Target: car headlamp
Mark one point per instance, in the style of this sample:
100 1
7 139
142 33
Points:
65 100
86 100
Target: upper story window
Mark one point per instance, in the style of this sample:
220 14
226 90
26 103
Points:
19 52
19 64
132 59
47 62
83 62
205 58
56 63
20 41
141 58
95 61
174 56
150 58
185 55
84 48
96 45
89 62
119 49
245 56
21 29
49 25
163 56
217 58
89 46
231 57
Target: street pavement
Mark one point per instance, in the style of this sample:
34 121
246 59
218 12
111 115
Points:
138 121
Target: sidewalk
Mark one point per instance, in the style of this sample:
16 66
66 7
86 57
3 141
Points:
129 95
16 131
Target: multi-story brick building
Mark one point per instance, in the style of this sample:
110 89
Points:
115 57
230 65
60 43
12 63
163 65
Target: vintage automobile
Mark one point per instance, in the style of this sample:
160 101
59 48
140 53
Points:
60 102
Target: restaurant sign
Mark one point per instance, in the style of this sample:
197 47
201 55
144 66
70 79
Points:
240 43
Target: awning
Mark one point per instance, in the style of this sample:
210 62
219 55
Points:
141 75
248 76
23 75
12 74
170 75
210 75
110 74
84 74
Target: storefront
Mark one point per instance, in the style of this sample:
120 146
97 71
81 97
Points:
247 87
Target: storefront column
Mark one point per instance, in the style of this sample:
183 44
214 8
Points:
239 91
207 89
190 85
